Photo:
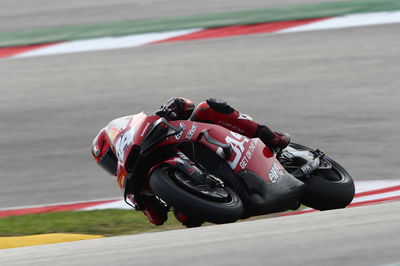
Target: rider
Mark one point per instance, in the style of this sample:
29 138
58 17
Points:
211 111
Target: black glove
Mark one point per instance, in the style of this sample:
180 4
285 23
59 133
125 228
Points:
176 109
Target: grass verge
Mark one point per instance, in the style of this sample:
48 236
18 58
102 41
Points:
110 222
98 222
56 34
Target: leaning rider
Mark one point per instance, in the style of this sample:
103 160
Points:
211 111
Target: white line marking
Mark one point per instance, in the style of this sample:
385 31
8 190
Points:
362 186
121 204
106 43
353 20
377 196
346 21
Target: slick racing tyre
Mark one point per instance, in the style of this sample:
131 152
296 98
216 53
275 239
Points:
204 202
327 189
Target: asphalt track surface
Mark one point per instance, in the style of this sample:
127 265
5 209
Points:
336 90
356 236
26 14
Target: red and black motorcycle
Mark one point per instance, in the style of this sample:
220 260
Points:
209 173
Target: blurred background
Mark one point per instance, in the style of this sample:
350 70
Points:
337 90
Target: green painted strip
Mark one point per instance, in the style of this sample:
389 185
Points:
198 21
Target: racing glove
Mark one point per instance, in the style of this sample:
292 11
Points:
177 108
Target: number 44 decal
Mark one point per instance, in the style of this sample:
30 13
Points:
237 142
124 141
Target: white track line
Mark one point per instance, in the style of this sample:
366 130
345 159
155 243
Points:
105 43
121 204
347 21
377 196
354 20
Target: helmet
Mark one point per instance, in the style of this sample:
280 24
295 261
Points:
103 154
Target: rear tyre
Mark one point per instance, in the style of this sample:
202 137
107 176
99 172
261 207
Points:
215 205
327 189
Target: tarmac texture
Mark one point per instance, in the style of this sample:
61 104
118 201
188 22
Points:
351 237
336 90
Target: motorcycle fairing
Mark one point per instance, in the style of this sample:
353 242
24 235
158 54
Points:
267 186
263 197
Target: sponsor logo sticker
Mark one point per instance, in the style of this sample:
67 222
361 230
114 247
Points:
180 134
189 135
275 172
96 150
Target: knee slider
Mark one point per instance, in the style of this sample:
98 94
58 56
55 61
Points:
220 106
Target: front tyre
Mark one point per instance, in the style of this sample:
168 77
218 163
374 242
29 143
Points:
215 205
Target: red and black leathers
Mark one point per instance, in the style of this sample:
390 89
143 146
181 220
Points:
211 111
218 112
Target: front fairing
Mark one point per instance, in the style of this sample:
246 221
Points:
124 134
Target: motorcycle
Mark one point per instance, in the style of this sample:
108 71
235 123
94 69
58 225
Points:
211 174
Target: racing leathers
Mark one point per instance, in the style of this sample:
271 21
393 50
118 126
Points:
211 111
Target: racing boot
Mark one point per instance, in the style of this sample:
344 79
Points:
187 221
273 139
155 210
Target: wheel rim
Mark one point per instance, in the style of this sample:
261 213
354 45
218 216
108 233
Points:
206 190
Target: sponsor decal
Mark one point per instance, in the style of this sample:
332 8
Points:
230 126
180 134
275 172
189 135
237 144
145 129
242 156
249 153
306 169
96 150
123 143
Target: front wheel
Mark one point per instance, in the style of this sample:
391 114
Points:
209 202
327 189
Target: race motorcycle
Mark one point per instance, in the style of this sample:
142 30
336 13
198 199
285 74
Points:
209 173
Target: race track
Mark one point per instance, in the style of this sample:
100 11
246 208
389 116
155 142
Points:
356 236
337 90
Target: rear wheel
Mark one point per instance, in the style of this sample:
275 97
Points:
208 201
326 189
